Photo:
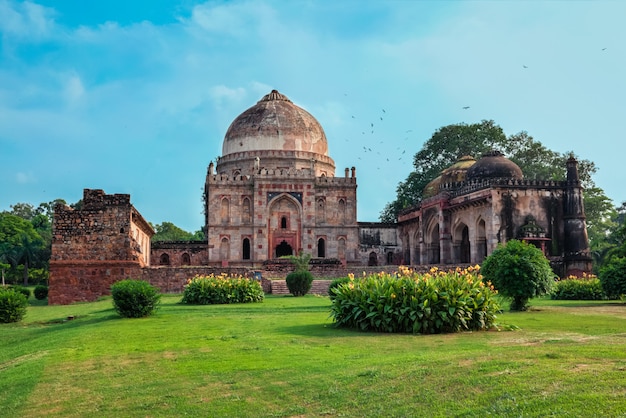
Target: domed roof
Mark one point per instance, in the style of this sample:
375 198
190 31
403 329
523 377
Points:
432 188
494 165
274 123
457 171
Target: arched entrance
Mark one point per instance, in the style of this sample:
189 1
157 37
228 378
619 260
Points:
283 249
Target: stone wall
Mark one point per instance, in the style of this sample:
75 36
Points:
105 241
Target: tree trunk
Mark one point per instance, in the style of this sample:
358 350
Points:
26 273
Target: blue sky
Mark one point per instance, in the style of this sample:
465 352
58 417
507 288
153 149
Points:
136 96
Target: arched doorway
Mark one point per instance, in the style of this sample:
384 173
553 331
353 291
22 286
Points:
373 259
465 245
283 249
433 246
321 248
246 249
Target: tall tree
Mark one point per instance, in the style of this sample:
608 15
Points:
21 244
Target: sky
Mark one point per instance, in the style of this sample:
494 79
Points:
136 96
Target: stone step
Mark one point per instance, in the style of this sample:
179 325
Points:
318 287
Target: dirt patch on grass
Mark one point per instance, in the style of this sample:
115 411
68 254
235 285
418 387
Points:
613 309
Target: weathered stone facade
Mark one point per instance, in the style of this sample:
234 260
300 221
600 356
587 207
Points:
463 221
105 241
274 190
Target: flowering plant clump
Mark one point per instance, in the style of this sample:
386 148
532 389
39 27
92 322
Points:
221 289
435 302
587 287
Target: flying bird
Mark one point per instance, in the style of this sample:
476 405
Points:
465 107
604 49
524 66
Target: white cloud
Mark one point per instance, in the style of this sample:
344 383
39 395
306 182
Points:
25 178
74 89
26 20
221 94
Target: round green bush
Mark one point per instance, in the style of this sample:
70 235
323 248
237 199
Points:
613 277
41 292
519 271
135 298
21 289
13 305
299 282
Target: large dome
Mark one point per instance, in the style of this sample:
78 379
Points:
275 123
494 165
275 134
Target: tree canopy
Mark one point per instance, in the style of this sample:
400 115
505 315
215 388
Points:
167 231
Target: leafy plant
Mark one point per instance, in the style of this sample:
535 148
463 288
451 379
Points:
21 289
407 302
13 305
135 298
41 292
519 271
300 261
299 282
222 289
613 277
335 284
578 288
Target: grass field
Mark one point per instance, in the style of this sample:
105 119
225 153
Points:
283 358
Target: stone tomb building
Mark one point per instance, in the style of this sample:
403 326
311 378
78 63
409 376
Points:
475 205
274 192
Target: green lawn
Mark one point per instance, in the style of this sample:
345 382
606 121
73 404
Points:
283 358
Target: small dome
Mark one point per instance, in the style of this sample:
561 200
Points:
432 188
274 123
494 165
457 171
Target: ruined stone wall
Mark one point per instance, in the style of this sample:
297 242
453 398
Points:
179 253
92 247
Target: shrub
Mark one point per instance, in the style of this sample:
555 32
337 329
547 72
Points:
578 288
613 277
423 304
335 284
135 298
208 290
519 271
21 289
13 305
299 282
41 292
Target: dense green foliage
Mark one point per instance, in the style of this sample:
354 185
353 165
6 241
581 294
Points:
135 298
223 289
21 289
411 303
40 292
13 305
299 282
613 277
167 231
584 288
335 284
519 271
